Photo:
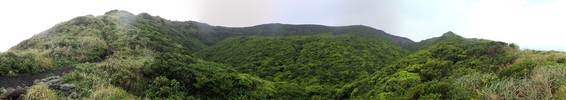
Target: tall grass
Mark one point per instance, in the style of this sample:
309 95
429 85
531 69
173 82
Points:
39 58
111 93
40 92
542 57
542 83
95 84
24 62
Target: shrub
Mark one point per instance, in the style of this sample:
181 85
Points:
40 92
24 62
161 87
518 70
111 93
86 79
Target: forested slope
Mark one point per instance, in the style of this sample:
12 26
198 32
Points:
429 73
120 55
212 34
326 61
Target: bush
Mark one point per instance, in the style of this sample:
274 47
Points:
41 92
290 91
24 62
161 87
518 70
111 93
86 78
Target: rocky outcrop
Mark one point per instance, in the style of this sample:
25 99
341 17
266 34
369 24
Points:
56 83
12 93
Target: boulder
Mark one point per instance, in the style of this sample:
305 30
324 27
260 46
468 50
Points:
13 93
56 83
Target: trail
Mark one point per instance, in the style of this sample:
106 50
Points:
27 80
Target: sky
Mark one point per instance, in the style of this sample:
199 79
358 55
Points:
532 24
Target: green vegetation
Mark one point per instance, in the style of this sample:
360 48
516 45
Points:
430 72
319 64
140 55
41 92
120 55
111 93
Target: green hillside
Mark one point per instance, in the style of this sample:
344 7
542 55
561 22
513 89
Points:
430 72
212 34
120 55
138 54
326 61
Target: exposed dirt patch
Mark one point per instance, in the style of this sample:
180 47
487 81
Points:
27 80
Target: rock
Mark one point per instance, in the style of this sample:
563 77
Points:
2 91
52 81
50 78
56 83
8 90
67 87
13 94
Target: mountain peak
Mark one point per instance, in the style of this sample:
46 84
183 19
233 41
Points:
450 34
118 12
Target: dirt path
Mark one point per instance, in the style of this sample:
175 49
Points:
27 80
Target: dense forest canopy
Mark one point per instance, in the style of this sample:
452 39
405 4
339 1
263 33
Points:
120 55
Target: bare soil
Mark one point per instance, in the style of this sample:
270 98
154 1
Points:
27 80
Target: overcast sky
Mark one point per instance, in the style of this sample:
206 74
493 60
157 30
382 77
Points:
532 24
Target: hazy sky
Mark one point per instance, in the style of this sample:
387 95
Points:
532 24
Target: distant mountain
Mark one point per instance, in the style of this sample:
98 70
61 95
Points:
213 34
120 55
448 36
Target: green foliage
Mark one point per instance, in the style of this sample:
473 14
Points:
435 67
561 93
165 88
320 60
208 80
212 34
120 55
541 83
518 69
290 91
264 56
86 79
75 41
448 36
534 75
24 62
111 93
142 54
40 92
